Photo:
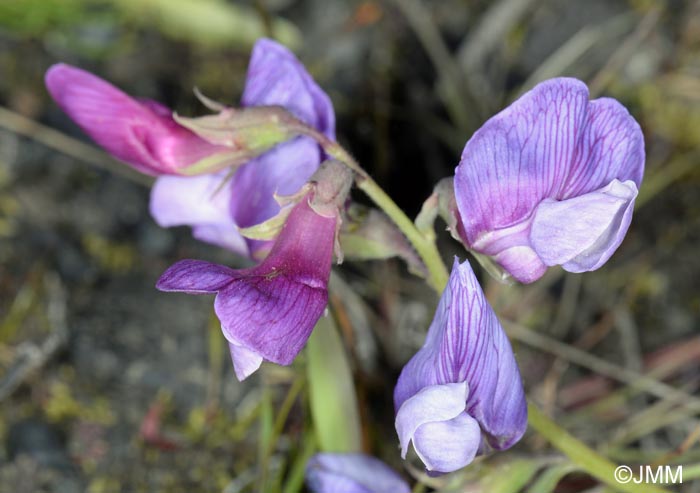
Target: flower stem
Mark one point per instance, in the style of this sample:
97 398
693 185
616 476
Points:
579 453
583 456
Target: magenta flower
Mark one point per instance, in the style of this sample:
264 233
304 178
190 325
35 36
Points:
268 311
461 393
141 133
275 77
352 473
550 180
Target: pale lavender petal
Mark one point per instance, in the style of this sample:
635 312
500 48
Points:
466 343
277 77
582 233
352 473
446 446
520 156
203 202
196 277
245 361
138 133
430 404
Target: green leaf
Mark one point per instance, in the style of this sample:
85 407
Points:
368 234
331 391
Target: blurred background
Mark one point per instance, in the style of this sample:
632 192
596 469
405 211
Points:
108 385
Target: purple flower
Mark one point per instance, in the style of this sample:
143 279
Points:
140 133
275 77
268 311
461 393
550 180
352 473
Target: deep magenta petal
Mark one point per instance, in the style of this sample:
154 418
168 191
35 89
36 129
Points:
272 308
268 311
138 133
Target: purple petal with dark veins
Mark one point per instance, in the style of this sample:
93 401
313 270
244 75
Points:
273 316
466 344
277 77
282 171
268 311
551 145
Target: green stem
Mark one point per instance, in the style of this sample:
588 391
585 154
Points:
583 456
425 247
437 274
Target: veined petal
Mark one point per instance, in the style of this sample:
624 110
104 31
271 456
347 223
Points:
203 202
466 343
140 134
272 316
520 156
582 233
196 277
352 473
272 308
550 146
611 146
245 361
277 77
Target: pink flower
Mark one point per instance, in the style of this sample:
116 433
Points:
141 133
